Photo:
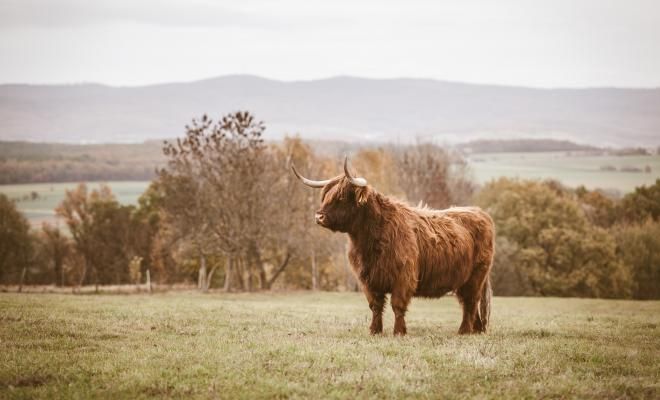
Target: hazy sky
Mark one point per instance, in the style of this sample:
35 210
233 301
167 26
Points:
553 43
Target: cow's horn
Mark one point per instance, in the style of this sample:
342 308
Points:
309 182
355 181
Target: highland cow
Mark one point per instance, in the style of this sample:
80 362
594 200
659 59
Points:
410 251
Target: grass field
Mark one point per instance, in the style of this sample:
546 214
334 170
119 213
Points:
569 168
50 195
316 345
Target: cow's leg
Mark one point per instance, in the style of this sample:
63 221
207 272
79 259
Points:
470 295
466 298
478 326
400 300
376 304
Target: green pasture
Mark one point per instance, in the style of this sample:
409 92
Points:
316 345
49 195
571 169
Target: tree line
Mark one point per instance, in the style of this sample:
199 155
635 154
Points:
556 241
225 212
25 162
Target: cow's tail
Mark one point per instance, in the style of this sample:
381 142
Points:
484 306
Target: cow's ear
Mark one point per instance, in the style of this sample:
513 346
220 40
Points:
362 194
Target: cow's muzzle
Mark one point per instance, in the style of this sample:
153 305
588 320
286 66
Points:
320 218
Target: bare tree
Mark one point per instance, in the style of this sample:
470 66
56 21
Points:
433 176
220 182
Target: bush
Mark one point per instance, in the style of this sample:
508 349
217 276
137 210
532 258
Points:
549 245
639 247
643 203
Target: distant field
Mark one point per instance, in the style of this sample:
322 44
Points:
42 208
571 170
316 345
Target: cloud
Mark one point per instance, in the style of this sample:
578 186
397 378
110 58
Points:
72 13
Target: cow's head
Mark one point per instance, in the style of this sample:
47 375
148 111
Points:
342 200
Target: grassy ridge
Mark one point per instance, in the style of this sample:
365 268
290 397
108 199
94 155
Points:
317 345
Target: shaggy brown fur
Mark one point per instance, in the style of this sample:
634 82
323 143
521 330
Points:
413 251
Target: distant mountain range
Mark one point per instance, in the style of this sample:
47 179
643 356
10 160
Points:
342 108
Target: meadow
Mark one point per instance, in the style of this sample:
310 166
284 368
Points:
41 207
316 345
571 169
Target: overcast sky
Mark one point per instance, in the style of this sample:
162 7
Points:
554 43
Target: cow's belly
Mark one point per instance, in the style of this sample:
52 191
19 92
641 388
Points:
432 292
436 280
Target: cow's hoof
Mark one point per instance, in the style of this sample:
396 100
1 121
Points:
376 328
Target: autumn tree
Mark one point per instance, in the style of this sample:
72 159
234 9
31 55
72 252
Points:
183 219
111 239
553 249
102 232
219 192
638 246
601 209
642 204
145 225
15 244
433 176
317 254
75 209
56 247
380 167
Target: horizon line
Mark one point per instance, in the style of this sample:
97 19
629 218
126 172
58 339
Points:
329 78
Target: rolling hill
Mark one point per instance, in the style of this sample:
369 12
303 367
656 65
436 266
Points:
341 108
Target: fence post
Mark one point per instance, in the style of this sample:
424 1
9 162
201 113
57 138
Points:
20 286
148 281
